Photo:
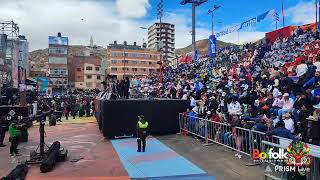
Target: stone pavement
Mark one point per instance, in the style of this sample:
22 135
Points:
98 159
216 160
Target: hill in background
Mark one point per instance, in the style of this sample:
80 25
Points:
39 58
202 46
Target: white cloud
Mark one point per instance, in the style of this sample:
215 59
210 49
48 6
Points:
105 20
132 9
302 13
183 31
40 18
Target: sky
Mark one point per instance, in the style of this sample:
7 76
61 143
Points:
109 20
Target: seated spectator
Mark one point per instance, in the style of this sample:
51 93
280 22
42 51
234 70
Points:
260 125
287 105
277 104
314 83
280 131
310 133
289 123
234 108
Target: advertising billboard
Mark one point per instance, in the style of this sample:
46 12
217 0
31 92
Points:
54 40
24 53
58 60
212 45
3 48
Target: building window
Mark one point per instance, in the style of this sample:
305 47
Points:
125 61
89 84
114 61
114 69
89 76
142 62
150 63
89 68
97 68
143 69
99 77
78 69
134 69
79 77
134 62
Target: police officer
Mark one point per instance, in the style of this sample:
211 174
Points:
4 125
142 133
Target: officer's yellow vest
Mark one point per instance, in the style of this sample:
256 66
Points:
143 126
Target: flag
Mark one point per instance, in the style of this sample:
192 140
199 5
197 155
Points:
195 57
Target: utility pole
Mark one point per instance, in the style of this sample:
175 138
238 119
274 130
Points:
317 16
195 3
124 60
282 13
211 11
159 16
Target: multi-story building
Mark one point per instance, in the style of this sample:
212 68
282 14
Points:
23 65
167 34
86 72
125 60
58 63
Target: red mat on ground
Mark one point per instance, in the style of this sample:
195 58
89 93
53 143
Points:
96 157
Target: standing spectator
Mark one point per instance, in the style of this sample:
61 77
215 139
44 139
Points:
3 129
15 133
67 109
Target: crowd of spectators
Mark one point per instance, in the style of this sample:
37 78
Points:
274 86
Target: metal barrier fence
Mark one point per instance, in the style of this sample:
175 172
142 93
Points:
242 140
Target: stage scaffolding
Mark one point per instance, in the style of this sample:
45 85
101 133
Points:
11 30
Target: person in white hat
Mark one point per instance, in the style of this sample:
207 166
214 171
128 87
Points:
302 69
287 105
289 123
277 104
311 131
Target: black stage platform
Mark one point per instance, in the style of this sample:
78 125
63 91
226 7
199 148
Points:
24 111
119 117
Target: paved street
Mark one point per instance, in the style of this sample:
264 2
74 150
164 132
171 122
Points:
99 160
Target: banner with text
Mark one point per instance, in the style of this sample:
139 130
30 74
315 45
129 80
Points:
271 14
3 48
212 45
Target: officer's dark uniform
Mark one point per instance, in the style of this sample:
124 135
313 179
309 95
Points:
142 133
4 125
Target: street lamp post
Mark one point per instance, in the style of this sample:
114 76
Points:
124 61
144 28
195 3
160 46
211 11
